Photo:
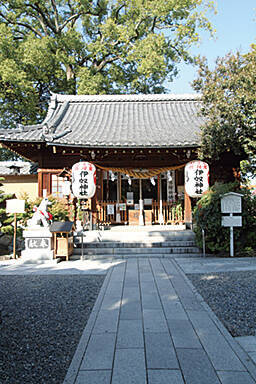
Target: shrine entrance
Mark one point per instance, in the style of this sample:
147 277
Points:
135 200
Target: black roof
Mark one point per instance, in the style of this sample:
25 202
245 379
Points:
150 121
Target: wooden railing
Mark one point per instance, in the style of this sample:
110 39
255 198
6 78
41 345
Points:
173 213
107 215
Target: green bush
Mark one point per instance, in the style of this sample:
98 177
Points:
207 216
58 209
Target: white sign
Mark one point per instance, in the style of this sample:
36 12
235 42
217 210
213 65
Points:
83 180
147 201
110 209
196 178
66 188
231 203
231 221
122 206
15 206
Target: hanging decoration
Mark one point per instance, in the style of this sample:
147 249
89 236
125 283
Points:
153 182
141 173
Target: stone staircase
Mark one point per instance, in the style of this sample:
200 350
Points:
130 243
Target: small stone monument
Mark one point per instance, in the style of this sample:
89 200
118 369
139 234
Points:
38 238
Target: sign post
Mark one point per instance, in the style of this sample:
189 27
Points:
231 203
15 206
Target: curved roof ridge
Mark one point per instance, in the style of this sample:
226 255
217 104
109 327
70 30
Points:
128 97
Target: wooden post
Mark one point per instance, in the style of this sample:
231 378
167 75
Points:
160 215
14 235
40 183
118 194
141 216
54 245
107 191
188 211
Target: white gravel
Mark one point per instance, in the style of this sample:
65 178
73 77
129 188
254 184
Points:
232 296
43 317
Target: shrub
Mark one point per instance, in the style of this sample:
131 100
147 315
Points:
58 209
207 216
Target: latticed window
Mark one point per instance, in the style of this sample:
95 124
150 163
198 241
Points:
57 186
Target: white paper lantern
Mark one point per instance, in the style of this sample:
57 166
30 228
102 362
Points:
196 178
83 180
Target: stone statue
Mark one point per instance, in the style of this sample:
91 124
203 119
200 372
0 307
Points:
41 215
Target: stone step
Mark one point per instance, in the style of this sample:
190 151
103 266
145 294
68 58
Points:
134 237
131 250
143 244
135 255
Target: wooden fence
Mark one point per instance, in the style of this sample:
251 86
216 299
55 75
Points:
173 213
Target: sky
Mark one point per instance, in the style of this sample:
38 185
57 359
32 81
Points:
235 25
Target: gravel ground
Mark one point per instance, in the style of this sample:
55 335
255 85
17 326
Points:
232 297
42 321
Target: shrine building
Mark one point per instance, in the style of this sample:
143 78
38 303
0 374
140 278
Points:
139 144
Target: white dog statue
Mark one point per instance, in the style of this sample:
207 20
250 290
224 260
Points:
41 215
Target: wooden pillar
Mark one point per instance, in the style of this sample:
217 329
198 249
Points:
107 191
118 195
40 183
101 184
158 189
160 214
141 216
188 211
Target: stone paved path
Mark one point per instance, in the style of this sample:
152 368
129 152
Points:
150 326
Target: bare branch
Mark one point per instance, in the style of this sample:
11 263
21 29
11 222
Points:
104 62
154 24
46 21
70 19
27 26
118 11
56 15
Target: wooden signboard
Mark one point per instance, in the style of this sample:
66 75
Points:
148 216
134 215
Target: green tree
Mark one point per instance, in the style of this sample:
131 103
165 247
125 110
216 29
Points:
91 47
229 105
207 216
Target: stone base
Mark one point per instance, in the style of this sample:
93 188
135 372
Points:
36 256
38 245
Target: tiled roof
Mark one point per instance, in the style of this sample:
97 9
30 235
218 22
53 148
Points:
17 168
117 120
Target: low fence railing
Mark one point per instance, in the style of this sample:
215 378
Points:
173 213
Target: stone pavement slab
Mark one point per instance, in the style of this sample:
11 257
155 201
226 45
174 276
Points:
150 326
88 267
216 264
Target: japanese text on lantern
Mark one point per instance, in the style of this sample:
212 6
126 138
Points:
83 180
196 178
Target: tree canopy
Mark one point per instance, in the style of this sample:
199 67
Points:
229 105
91 47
